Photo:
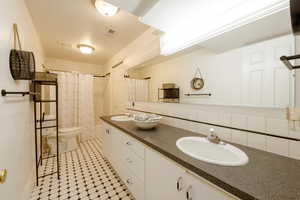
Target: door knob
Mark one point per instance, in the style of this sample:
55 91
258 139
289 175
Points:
3 174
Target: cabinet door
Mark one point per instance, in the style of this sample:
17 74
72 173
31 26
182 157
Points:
164 179
116 149
106 140
135 186
198 188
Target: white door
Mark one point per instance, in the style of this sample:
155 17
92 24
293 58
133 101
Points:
164 180
266 81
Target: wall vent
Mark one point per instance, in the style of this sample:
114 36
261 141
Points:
64 45
111 31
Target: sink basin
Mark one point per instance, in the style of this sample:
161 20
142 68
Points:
220 154
121 118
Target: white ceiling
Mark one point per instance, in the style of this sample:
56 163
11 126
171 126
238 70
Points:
62 24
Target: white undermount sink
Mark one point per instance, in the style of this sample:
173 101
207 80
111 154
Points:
121 118
221 154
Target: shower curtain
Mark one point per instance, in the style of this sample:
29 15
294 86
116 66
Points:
86 116
137 90
75 102
141 90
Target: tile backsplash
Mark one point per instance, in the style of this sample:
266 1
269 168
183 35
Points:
267 120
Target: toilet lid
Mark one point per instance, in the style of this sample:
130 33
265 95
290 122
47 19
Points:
66 130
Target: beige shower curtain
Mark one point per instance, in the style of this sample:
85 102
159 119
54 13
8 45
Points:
75 102
86 115
138 90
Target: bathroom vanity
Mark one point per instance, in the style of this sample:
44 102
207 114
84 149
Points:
153 167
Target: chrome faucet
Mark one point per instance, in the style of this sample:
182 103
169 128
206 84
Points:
213 137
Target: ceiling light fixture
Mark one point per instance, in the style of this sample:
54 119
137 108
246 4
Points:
105 8
85 49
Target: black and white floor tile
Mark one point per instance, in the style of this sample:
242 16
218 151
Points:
85 175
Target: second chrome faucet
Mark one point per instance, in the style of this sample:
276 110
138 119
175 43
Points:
213 137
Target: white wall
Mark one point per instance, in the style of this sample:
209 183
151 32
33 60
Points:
99 83
145 47
16 116
249 76
139 51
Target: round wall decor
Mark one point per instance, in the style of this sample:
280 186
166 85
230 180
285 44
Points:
197 83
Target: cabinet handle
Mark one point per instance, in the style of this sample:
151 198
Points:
107 131
189 193
129 143
178 185
129 161
129 182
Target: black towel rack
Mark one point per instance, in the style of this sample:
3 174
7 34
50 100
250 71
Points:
127 76
205 94
4 93
286 61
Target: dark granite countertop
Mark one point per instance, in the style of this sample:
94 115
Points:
267 176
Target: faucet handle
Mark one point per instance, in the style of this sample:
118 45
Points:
213 137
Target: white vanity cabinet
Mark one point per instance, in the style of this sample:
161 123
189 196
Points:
166 180
163 179
197 188
111 145
127 157
151 176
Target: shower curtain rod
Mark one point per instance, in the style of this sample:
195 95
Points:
48 69
127 76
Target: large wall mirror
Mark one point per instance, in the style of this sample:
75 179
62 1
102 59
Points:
250 75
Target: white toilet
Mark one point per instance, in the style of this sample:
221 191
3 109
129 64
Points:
68 140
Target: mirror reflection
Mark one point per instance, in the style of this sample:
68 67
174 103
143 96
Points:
251 75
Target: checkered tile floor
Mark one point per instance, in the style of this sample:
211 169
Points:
85 175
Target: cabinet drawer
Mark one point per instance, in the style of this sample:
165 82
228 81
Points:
134 145
134 163
135 186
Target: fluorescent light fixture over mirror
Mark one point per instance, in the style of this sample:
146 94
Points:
105 8
188 24
85 49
